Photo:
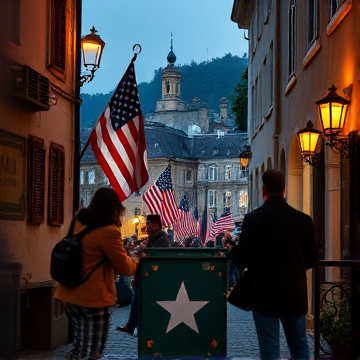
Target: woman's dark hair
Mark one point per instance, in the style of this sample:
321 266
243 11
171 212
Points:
105 208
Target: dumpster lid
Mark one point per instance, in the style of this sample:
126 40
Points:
174 252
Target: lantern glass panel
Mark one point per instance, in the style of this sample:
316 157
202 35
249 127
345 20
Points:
91 53
308 142
244 162
333 122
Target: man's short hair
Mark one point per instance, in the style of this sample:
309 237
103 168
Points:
155 219
274 182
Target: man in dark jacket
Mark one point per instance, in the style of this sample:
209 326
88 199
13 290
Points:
278 244
157 238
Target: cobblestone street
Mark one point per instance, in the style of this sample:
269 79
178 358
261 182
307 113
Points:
241 340
241 336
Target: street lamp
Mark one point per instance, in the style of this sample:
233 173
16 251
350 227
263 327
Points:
245 155
92 47
309 142
332 112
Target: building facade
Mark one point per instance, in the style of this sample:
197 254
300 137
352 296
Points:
297 50
39 100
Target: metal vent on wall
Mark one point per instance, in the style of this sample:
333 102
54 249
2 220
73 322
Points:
31 87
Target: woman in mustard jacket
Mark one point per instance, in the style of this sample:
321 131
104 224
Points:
89 304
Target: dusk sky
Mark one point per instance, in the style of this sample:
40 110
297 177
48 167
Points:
201 30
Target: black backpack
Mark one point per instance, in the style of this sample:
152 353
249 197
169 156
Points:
66 259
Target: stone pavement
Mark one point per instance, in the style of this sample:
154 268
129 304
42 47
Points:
241 340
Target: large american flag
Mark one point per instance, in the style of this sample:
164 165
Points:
118 139
186 226
159 198
224 223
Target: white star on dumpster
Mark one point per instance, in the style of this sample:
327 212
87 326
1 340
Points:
182 310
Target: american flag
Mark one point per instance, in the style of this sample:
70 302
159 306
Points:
118 139
159 198
186 226
224 223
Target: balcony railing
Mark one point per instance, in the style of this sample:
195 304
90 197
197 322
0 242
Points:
337 309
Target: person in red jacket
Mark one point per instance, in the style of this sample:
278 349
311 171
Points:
89 304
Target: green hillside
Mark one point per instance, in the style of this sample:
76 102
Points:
208 81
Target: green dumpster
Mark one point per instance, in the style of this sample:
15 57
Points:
182 303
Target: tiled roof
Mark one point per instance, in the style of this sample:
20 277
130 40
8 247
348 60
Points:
165 142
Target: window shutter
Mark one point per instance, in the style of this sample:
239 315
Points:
36 180
58 37
56 185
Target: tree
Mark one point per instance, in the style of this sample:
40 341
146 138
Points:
240 102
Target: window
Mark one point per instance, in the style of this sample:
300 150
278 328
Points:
87 177
292 37
227 200
334 6
212 198
187 176
213 173
56 185
243 199
10 20
228 172
313 20
338 10
91 177
36 180
58 37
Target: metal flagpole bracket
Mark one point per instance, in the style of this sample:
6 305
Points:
138 47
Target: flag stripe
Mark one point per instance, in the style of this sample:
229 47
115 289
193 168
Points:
107 164
152 198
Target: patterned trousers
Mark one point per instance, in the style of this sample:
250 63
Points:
91 330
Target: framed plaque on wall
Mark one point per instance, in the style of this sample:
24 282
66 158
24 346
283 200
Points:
12 176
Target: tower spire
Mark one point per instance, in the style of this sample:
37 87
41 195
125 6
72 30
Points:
171 58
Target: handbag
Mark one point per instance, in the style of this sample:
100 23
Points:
240 295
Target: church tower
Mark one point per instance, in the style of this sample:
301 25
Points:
171 80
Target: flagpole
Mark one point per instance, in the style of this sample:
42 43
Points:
132 60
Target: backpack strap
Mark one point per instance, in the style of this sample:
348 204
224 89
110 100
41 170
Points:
83 233
92 271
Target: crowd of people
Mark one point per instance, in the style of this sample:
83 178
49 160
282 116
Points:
277 243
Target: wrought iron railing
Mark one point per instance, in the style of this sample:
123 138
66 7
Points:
336 308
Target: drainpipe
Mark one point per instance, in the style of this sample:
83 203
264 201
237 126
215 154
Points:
76 172
277 83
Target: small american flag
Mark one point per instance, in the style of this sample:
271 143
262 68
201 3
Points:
159 198
118 139
186 226
224 223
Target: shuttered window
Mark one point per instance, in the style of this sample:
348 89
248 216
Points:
58 36
36 180
56 185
